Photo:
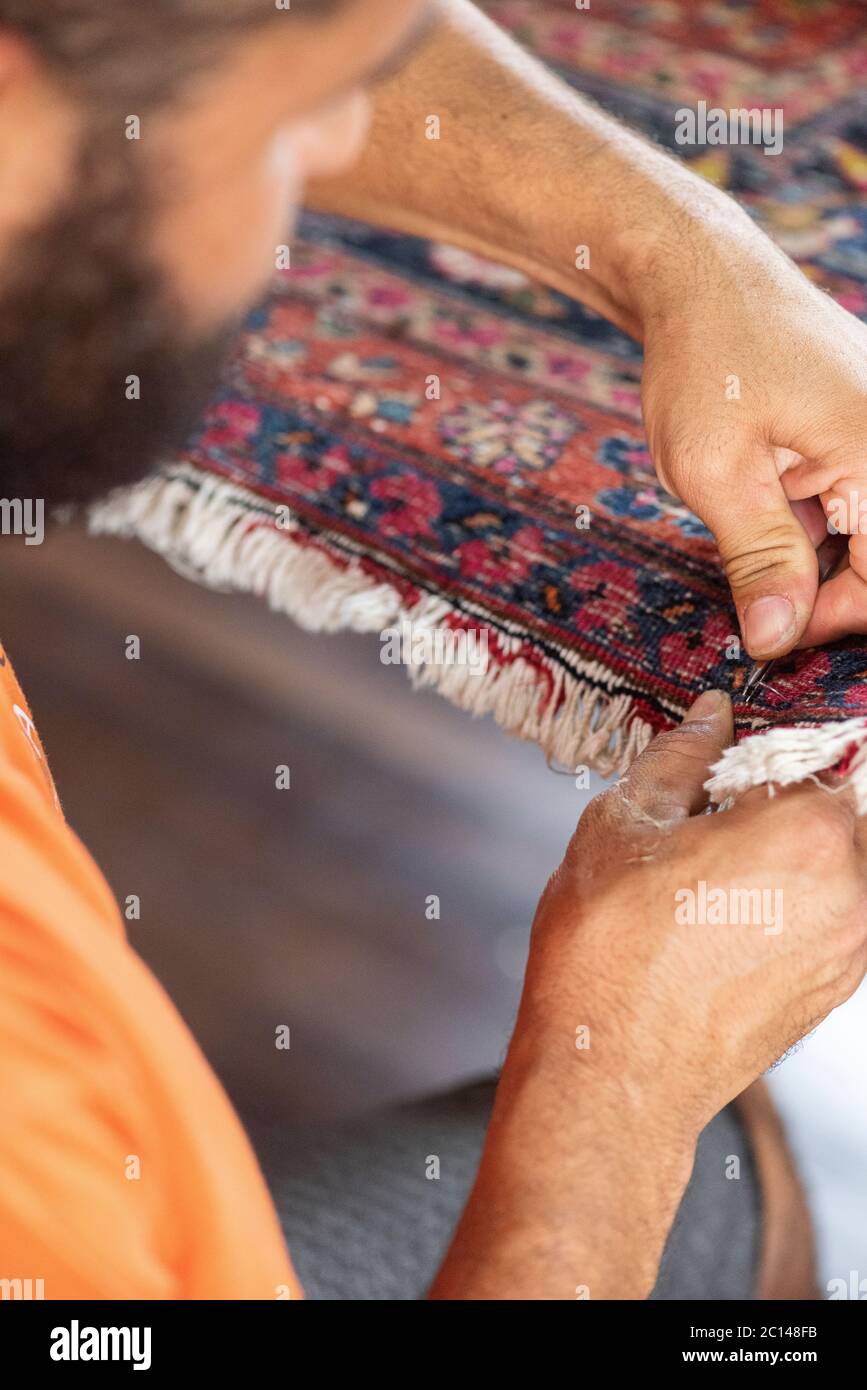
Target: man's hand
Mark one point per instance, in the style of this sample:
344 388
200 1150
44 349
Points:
755 394
647 1007
755 388
697 1009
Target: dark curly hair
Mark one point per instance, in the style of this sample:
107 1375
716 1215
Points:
141 50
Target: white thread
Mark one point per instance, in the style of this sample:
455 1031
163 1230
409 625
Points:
780 757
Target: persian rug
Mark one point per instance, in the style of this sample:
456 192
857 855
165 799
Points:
324 478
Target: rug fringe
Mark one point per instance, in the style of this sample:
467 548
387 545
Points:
226 537
780 757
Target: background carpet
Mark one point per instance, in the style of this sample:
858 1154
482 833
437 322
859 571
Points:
462 509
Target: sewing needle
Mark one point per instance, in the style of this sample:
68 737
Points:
829 554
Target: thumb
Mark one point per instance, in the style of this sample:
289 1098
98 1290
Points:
768 558
666 782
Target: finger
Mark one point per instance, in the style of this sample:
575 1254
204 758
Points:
811 515
812 827
666 782
841 603
768 558
845 505
805 800
846 805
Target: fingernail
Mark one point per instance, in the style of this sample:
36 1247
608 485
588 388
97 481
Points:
768 622
709 703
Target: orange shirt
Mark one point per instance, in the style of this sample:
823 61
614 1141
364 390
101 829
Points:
124 1171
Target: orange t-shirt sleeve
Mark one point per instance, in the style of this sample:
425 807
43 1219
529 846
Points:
124 1172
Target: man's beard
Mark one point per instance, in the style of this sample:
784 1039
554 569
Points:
99 377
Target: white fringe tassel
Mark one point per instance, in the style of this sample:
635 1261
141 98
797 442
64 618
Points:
219 535
783 756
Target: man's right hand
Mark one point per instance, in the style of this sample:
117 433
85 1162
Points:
637 935
638 1025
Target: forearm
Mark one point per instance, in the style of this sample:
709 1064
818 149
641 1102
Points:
525 171
577 1188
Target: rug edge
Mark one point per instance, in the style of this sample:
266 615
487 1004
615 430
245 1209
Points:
217 533
223 536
